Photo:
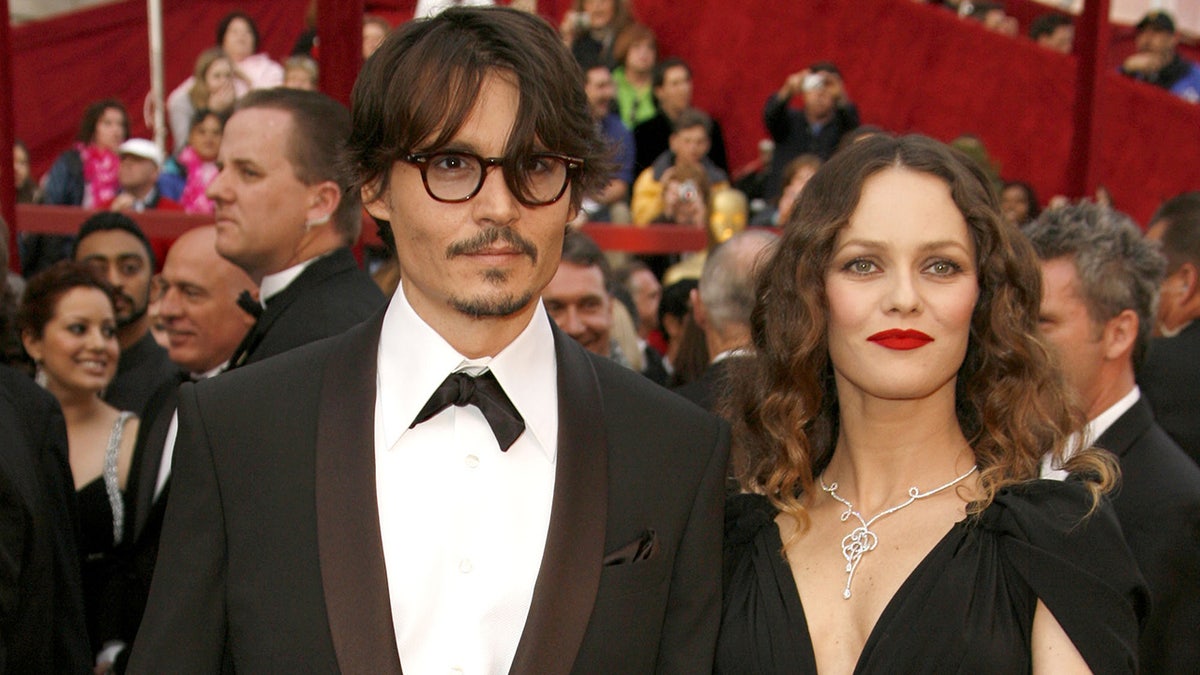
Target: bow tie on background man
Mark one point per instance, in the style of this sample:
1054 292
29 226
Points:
483 392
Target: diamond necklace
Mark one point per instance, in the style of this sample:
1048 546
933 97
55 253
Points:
861 539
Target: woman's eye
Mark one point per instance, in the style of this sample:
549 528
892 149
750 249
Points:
944 267
860 266
77 329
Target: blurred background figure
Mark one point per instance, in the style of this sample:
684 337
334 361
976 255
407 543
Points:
636 51
28 191
374 30
591 28
185 176
1053 31
212 86
300 72
68 327
83 175
795 176
1018 203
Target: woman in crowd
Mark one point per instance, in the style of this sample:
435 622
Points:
68 328
890 431
212 86
28 191
83 175
636 50
1018 203
185 177
591 28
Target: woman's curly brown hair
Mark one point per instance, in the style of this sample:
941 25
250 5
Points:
1011 401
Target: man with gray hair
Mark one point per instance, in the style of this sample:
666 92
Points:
1100 284
721 306
1170 378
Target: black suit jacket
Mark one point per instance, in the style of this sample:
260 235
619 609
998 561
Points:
1158 504
271 558
706 391
1170 380
42 627
330 295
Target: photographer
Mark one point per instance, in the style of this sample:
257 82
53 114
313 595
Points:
689 143
816 128
685 197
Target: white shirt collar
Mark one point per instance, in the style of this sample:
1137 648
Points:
1091 431
414 359
210 373
274 284
737 351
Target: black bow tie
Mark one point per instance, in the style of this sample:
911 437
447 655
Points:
485 393
249 305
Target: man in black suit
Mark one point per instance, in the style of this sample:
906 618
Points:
1100 278
1170 378
544 511
721 305
41 594
285 215
113 246
197 296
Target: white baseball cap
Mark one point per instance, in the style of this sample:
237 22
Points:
142 147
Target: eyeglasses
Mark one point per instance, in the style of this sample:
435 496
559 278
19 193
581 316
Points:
457 176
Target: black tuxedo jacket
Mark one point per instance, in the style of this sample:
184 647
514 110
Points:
330 295
1158 504
271 558
706 391
1170 380
42 627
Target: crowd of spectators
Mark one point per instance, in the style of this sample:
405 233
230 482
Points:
255 145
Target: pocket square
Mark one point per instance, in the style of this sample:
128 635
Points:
642 548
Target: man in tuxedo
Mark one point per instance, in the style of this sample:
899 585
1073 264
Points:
1100 279
197 295
721 305
285 215
115 248
41 593
454 483
1170 378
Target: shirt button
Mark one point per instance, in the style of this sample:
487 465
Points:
465 566
472 461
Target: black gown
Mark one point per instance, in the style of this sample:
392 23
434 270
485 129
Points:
967 607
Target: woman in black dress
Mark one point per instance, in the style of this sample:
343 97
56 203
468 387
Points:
890 432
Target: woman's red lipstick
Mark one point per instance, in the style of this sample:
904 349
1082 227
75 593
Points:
900 339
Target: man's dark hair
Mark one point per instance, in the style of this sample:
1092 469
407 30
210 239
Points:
691 117
1181 239
676 299
580 250
661 68
417 90
92 115
223 26
106 221
320 129
1047 23
202 114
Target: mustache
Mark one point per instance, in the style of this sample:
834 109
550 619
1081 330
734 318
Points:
490 236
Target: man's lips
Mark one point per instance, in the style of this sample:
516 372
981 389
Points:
900 339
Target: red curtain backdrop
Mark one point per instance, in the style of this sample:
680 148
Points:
909 67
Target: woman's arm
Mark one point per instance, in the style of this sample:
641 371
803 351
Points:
1053 651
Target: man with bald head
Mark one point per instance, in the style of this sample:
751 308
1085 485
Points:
197 295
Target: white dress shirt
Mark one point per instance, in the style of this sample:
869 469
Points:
1093 430
274 284
463 524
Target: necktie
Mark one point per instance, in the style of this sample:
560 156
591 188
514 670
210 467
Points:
483 392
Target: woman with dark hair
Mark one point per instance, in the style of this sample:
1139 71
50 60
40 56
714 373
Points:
86 174
237 35
636 50
68 327
1018 203
185 176
890 430
590 28
83 175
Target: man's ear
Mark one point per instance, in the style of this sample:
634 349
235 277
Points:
1120 334
374 199
1191 282
699 311
324 199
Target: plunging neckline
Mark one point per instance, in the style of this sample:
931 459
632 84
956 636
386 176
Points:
791 592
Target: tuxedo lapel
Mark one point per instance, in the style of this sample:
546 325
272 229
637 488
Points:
569 577
1128 428
152 439
353 574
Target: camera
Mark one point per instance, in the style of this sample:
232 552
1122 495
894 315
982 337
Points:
687 191
813 81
